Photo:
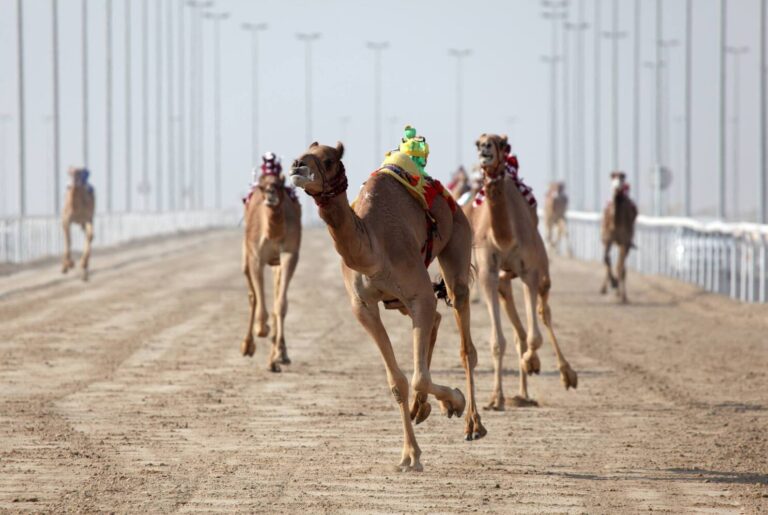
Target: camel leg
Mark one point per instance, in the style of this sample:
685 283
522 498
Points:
248 347
422 309
609 278
67 261
256 269
88 228
420 407
455 263
563 226
621 272
489 281
530 362
368 315
568 376
284 274
507 299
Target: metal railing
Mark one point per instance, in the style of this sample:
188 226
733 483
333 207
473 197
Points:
724 258
30 238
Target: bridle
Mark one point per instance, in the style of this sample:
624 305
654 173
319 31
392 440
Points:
491 178
333 187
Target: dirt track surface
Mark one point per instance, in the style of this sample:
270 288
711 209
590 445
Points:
129 394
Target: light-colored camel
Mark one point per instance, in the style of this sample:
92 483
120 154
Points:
79 205
508 245
555 209
380 242
272 238
618 227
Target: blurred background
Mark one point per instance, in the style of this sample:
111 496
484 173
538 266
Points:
170 102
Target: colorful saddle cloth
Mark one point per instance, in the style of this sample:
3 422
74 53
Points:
422 187
511 171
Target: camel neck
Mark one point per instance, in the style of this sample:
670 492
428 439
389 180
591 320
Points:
275 221
350 235
501 224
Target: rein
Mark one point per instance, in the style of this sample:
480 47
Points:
331 188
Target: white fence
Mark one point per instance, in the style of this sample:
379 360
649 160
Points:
723 258
30 238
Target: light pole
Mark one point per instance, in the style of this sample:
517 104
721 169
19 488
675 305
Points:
108 110
736 53
128 110
555 14
597 98
459 54
195 188
144 186
20 67
159 105
56 126
615 35
721 181
85 80
377 47
181 177
659 63
217 18
688 85
171 109
636 106
254 29
666 72
580 124
763 172
308 38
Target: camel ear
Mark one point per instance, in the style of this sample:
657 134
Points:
505 143
313 144
340 149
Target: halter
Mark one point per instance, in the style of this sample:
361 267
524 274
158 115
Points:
499 175
335 186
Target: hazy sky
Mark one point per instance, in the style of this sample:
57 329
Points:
504 80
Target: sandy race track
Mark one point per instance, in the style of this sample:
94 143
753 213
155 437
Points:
129 394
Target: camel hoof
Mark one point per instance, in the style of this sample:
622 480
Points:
263 331
284 359
409 468
274 367
519 401
474 430
450 409
496 403
422 413
248 347
531 364
569 377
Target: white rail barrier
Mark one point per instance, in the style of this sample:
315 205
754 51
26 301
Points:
30 238
729 259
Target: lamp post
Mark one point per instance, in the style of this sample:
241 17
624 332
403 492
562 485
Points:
128 110
377 47
580 28
615 35
459 54
721 178
85 80
254 29
20 67
736 53
308 38
596 89
763 207
108 110
555 14
217 18
688 95
159 105
56 116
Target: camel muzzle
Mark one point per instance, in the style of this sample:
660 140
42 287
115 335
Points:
301 176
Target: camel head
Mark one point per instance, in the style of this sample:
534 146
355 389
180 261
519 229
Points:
618 181
78 176
273 188
557 188
492 150
320 172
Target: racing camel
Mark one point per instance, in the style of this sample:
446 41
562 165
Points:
385 246
79 205
618 227
272 237
508 245
555 209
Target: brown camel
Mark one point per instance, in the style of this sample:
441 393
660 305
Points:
79 204
555 209
459 183
272 237
384 243
508 245
618 227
